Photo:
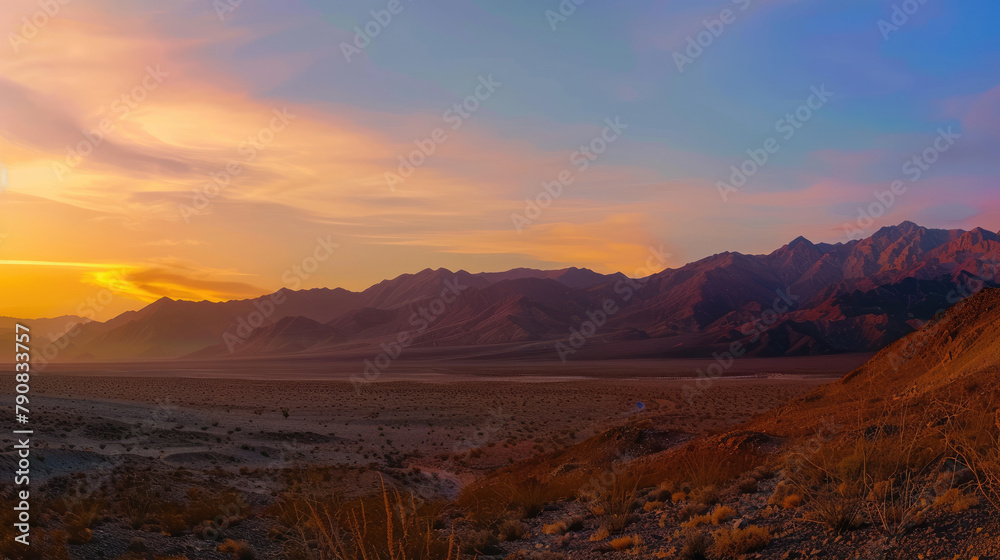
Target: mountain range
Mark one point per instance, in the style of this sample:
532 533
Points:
802 299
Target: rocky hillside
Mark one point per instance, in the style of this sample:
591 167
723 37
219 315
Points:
898 460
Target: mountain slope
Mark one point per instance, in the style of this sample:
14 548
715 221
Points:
802 299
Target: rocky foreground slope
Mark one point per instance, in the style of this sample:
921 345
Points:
898 460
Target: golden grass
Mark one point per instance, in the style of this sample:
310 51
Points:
390 527
563 526
627 542
722 514
733 543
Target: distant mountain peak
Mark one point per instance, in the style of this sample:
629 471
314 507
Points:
800 240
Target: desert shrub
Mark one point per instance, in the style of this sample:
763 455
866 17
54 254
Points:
781 491
838 510
660 494
652 506
617 502
691 510
746 485
137 505
482 542
973 434
600 534
625 543
956 501
884 465
707 495
241 550
791 501
561 527
493 499
732 543
172 523
722 514
715 467
695 546
511 530
390 526
697 521
222 508
80 517
45 545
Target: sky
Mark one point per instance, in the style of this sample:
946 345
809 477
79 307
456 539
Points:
223 149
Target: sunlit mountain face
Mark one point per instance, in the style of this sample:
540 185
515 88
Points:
802 299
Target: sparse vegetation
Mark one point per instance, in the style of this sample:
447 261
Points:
733 543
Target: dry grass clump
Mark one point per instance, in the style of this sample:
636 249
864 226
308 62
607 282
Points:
80 517
45 545
697 521
781 491
956 501
691 510
733 543
791 501
613 504
315 526
707 495
477 543
719 515
747 485
563 526
627 542
652 506
838 511
880 470
695 546
722 514
511 530
715 467
973 434
600 534
241 550
488 501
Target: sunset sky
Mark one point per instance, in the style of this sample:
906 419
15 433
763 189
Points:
270 99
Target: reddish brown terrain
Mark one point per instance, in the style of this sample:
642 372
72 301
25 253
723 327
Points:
732 408
802 299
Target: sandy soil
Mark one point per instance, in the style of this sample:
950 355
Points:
456 421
